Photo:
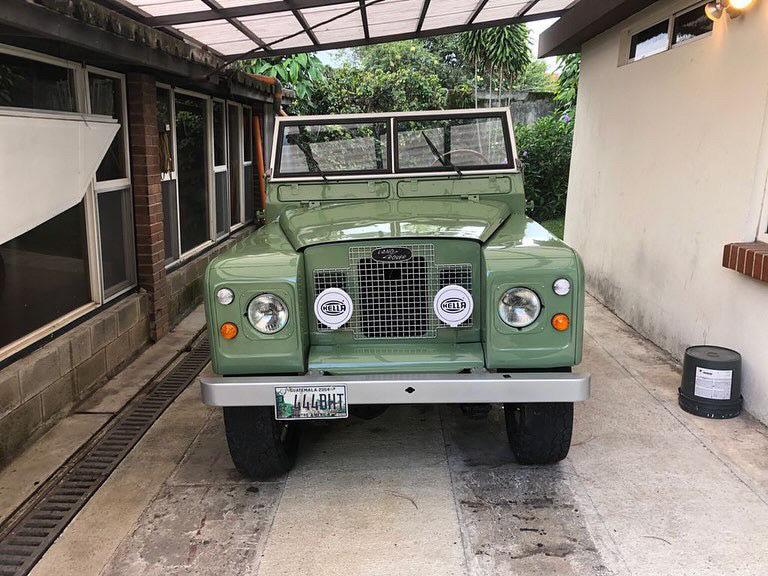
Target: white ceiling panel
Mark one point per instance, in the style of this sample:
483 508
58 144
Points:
238 3
168 7
390 11
445 13
345 24
278 24
232 48
500 10
216 31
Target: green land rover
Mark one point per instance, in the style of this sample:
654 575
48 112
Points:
397 266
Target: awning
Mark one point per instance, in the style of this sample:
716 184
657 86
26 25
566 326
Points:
259 28
47 161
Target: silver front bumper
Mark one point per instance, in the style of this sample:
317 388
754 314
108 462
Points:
406 388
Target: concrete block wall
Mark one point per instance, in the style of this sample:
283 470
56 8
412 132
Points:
185 285
44 385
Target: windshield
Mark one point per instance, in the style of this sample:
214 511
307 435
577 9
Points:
423 142
321 149
435 143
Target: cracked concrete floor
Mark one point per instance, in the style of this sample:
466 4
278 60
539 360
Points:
646 489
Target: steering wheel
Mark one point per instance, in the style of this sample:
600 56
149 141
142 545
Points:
461 151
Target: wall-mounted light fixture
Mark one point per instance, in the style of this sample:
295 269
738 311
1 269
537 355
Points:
734 8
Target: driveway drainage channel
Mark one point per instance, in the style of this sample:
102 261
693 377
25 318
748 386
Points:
34 528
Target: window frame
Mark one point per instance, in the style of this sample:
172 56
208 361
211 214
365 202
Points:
671 44
89 207
81 87
762 231
173 176
192 252
240 163
218 168
118 184
246 163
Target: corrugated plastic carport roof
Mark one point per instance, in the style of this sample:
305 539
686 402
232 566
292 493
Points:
258 28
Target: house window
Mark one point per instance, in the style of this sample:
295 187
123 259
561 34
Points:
26 83
680 28
235 164
691 24
192 158
762 234
248 164
44 275
220 170
166 150
114 203
650 41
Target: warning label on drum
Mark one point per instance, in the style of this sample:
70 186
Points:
713 384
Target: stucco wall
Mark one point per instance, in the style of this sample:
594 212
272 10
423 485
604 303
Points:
669 164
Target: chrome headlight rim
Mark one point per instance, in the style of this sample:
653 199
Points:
255 317
532 302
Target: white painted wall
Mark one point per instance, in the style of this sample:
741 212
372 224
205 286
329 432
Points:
670 163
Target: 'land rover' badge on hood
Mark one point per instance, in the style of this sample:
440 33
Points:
333 307
391 254
453 305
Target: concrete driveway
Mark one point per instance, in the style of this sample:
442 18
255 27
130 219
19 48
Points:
646 489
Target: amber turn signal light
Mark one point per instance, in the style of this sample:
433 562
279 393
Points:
228 330
560 322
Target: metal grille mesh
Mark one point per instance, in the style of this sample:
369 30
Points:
394 299
460 275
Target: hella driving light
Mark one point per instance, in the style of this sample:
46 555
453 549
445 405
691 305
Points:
225 296
519 307
267 313
561 286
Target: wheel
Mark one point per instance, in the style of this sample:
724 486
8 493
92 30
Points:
539 433
368 411
261 447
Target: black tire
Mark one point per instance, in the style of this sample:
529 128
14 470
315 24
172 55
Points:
539 433
260 446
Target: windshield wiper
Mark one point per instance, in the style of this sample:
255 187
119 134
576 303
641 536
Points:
440 157
312 164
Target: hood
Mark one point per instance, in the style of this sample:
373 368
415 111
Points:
423 218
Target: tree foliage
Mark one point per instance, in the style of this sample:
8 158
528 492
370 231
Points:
568 82
297 72
352 90
536 78
545 151
502 53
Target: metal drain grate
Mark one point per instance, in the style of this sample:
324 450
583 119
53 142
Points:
26 541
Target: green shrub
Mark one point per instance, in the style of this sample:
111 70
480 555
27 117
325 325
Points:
545 151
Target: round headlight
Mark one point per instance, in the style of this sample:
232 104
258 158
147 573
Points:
225 296
267 313
561 286
519 307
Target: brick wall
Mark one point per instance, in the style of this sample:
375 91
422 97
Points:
44 385
148 198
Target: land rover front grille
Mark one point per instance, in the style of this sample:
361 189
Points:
393 299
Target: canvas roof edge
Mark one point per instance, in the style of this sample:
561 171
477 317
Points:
96 29
585 20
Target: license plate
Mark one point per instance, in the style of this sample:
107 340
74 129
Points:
310 402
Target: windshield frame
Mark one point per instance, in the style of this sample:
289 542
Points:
332 121
451 115
391 119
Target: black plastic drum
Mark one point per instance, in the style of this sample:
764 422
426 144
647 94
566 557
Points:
711 382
